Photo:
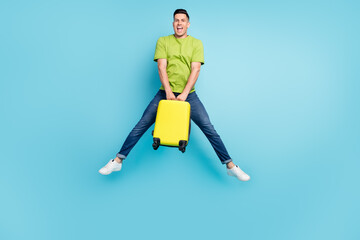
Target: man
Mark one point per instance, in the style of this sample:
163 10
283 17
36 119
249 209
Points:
179 57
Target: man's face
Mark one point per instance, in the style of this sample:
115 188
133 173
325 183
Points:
181 24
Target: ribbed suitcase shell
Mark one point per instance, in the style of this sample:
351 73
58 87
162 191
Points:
172 122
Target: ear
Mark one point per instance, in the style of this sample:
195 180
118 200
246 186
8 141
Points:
188 24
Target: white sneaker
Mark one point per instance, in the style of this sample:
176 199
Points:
238 173
111 166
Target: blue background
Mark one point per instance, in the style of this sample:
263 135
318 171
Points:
281 86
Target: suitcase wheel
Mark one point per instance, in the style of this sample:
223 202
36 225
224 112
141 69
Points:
156 143
182 149
182 145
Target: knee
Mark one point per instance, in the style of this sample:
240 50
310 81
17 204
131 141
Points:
209 130
142 126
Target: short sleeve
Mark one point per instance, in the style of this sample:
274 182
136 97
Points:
198 53
160 50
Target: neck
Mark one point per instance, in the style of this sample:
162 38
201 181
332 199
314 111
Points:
183 36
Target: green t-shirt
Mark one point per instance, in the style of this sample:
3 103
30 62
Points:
180 53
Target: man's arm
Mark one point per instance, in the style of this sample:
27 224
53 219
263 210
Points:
195 71
162 64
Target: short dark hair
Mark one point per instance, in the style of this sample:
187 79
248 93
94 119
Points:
183 11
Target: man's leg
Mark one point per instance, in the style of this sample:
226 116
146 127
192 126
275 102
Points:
147 119
202 120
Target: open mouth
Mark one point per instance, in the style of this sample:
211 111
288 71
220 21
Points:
179 29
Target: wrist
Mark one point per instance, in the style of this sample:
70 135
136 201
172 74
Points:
168 90
186 91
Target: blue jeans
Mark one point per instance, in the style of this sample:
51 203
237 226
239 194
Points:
198 115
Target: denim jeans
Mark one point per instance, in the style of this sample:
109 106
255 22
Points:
198 115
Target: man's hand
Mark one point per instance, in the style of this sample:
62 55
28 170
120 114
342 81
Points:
182 97
170 96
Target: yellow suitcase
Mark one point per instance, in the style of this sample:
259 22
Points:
172 124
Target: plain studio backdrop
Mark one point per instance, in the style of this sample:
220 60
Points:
281 86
